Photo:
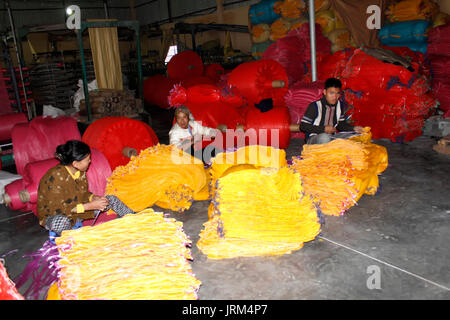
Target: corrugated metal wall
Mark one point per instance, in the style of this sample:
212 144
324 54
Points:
34 12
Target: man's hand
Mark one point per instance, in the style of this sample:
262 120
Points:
330 129
358 129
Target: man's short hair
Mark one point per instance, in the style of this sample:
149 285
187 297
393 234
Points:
333 83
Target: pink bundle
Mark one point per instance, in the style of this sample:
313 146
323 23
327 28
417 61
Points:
293 51
38 139
8 121
439 40
299 96
99 171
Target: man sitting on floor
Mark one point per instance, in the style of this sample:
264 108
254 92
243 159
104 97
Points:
324 118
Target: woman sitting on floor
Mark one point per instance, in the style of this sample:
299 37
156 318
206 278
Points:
63 196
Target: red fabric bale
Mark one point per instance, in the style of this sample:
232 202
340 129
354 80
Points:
185 65
299 96
293 51
196 80
272 127
8 121
439 40
213 71
253 81
111 135
156 90
200 94
38 139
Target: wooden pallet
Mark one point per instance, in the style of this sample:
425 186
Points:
443 145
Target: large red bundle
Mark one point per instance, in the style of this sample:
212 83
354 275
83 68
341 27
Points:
111 135
38 139
293 51
156 90
440 66
201 94
196 80
299 96
441 91
184 65
439 40
214 71
259 80
272 128
8 121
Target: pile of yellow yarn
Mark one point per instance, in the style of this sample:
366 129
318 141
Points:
254 156
138 257
338 173
258 211
161 175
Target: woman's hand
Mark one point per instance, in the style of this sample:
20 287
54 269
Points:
99 203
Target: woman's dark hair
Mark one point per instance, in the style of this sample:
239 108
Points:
333 83
72 150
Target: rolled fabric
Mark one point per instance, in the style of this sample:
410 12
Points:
197 80
156 90
8 121
185 65
111 135
12 193
214 71
38 139
272 128
255 81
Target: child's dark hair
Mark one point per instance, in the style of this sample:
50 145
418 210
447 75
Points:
72 150
333 83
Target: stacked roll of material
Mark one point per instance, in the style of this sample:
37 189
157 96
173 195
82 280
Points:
259 212
214 71
38 139
8 121
340 39
326 19
112 103
293 51
104 262
111 135
161 175
156 90
338 173
280 28
439 57
23 193
259 80
406 10
298 98
393 100
185 65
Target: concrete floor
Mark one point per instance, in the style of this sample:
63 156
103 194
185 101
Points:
404 230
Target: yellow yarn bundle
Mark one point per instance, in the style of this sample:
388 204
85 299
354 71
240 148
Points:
161 175
338 173
258 211
138 257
